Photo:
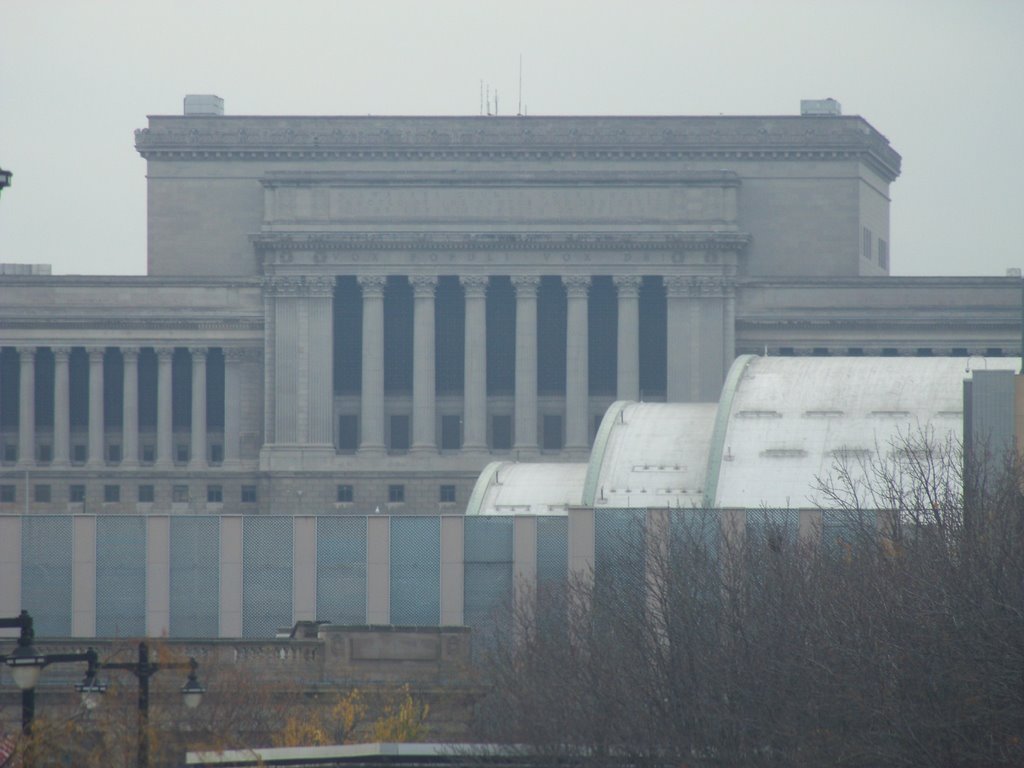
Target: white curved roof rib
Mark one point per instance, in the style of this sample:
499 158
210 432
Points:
792 418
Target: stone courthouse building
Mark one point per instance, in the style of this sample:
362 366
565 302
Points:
357 314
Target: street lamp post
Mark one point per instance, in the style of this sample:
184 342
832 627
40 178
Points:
143 669
26 663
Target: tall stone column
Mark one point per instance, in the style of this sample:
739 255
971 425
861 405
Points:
318 361
474 389
678 338
197 451
729 322
423 382
130 408
577 367
164 400
96 427
526 361
61 405
628 349
232 404
371 432
27 406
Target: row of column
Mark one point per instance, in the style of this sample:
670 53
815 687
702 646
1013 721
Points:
699 336
130 405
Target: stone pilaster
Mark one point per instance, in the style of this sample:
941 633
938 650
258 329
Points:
577 368
61 405
96 426
130 406
729 324
372 407
423 374
696 337
679 339
318 362
526 361
232 404
197 451
628 342
27 406
474 392
164 405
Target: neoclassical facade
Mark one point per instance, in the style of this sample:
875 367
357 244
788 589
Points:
352 314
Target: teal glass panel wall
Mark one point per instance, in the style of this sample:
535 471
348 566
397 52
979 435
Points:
120 576
195 576
341 570
416 571
46 557
266 575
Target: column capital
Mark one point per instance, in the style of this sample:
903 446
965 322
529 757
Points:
475 286
130 353
241 354
299 285
577 286
423 286
525 285
676 286
198 353
61 353
26 351
164 353
628 286
372 285
320 286
95 353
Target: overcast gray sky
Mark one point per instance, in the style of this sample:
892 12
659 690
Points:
940 79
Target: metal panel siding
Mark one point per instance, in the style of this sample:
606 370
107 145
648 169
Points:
195 576
120 576
341 569
46 573
552 552
992 422
488 569
266 575
619 554
415 571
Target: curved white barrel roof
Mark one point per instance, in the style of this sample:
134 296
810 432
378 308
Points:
781 424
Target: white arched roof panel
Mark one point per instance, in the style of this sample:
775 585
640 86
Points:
510 488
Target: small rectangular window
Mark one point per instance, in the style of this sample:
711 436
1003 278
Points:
447 494
346 494
78 454
867 243
8 494
214 494
501 432
348 433
111 493
396 494
399 433
76 494
42 494
10 453
181 454
216 453
179 494
552 432
451 433
146 494
148 454
883 254
114 454
248 494
44 453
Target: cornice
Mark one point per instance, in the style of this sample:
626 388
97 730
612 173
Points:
128 323
543 138
270 243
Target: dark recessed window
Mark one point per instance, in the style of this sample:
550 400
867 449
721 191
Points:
501 432
396 494
867 243
399 433
146 494
76 494
883 254
181 454
348 433
179 494
552 432
214 494
78 454
114 454
248 494
111 493
42 494
346 494
451 433
8 495
10 454
216 453
45 454
447 494
148 454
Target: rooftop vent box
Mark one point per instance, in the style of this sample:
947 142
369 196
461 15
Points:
204 105
818 107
